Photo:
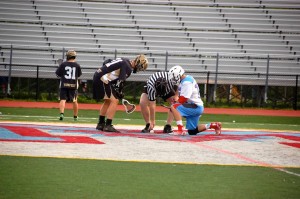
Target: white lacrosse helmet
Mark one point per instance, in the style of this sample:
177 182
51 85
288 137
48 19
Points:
175 73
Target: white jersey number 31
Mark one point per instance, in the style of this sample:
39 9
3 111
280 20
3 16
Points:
70 72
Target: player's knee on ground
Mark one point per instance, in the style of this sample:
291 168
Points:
193 132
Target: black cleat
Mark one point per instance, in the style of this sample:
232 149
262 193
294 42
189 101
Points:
110 128
167 129
146 129
100 126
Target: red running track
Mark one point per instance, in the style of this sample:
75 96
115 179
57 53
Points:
229 111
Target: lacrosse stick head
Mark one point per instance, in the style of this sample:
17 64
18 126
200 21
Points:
60 61
129 108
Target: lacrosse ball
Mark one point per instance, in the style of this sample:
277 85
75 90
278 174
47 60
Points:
152 131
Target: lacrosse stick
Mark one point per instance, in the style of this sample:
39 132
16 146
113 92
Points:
128 106
169 106
166 106
59 61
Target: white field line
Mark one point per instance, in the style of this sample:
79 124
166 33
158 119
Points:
288 172
54 118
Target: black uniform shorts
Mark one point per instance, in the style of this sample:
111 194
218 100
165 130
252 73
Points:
70 95
100 89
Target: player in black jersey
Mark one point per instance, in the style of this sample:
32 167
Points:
158 85
69 72
108 84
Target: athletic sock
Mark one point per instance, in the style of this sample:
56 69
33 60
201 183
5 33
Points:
101 119
147 126
179 122
108 122
61 117
179 125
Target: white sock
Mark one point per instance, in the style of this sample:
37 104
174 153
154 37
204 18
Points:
179 122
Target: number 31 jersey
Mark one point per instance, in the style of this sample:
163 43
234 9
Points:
69 73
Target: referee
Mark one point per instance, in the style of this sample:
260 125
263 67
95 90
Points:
158 85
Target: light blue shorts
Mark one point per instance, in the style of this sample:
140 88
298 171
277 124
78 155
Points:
192 115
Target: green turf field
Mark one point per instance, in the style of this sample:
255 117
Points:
72 178
42 178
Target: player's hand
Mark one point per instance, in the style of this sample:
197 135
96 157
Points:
176 104
105 79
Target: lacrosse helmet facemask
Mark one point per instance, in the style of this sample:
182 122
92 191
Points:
141 63
175 74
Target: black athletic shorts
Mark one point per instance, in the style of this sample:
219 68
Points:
70 95
100 89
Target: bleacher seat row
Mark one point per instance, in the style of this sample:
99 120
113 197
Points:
192 33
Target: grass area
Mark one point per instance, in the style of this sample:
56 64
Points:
72 178
91 116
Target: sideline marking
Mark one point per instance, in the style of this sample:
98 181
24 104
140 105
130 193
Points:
42 118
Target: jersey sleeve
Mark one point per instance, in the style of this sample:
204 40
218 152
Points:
79 71
118 64
59 71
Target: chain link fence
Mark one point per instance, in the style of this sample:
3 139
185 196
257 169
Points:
217 89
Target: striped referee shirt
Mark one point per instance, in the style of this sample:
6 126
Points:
152 93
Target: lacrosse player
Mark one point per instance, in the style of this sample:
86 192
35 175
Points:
189 105
158 85
108 84
69 72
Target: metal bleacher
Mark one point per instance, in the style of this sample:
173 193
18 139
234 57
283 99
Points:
191 33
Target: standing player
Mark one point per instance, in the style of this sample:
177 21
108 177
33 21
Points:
69 71
158 85
189 105
108 83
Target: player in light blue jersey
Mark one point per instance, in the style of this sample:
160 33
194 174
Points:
189 105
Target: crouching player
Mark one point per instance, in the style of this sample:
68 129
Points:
189 105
